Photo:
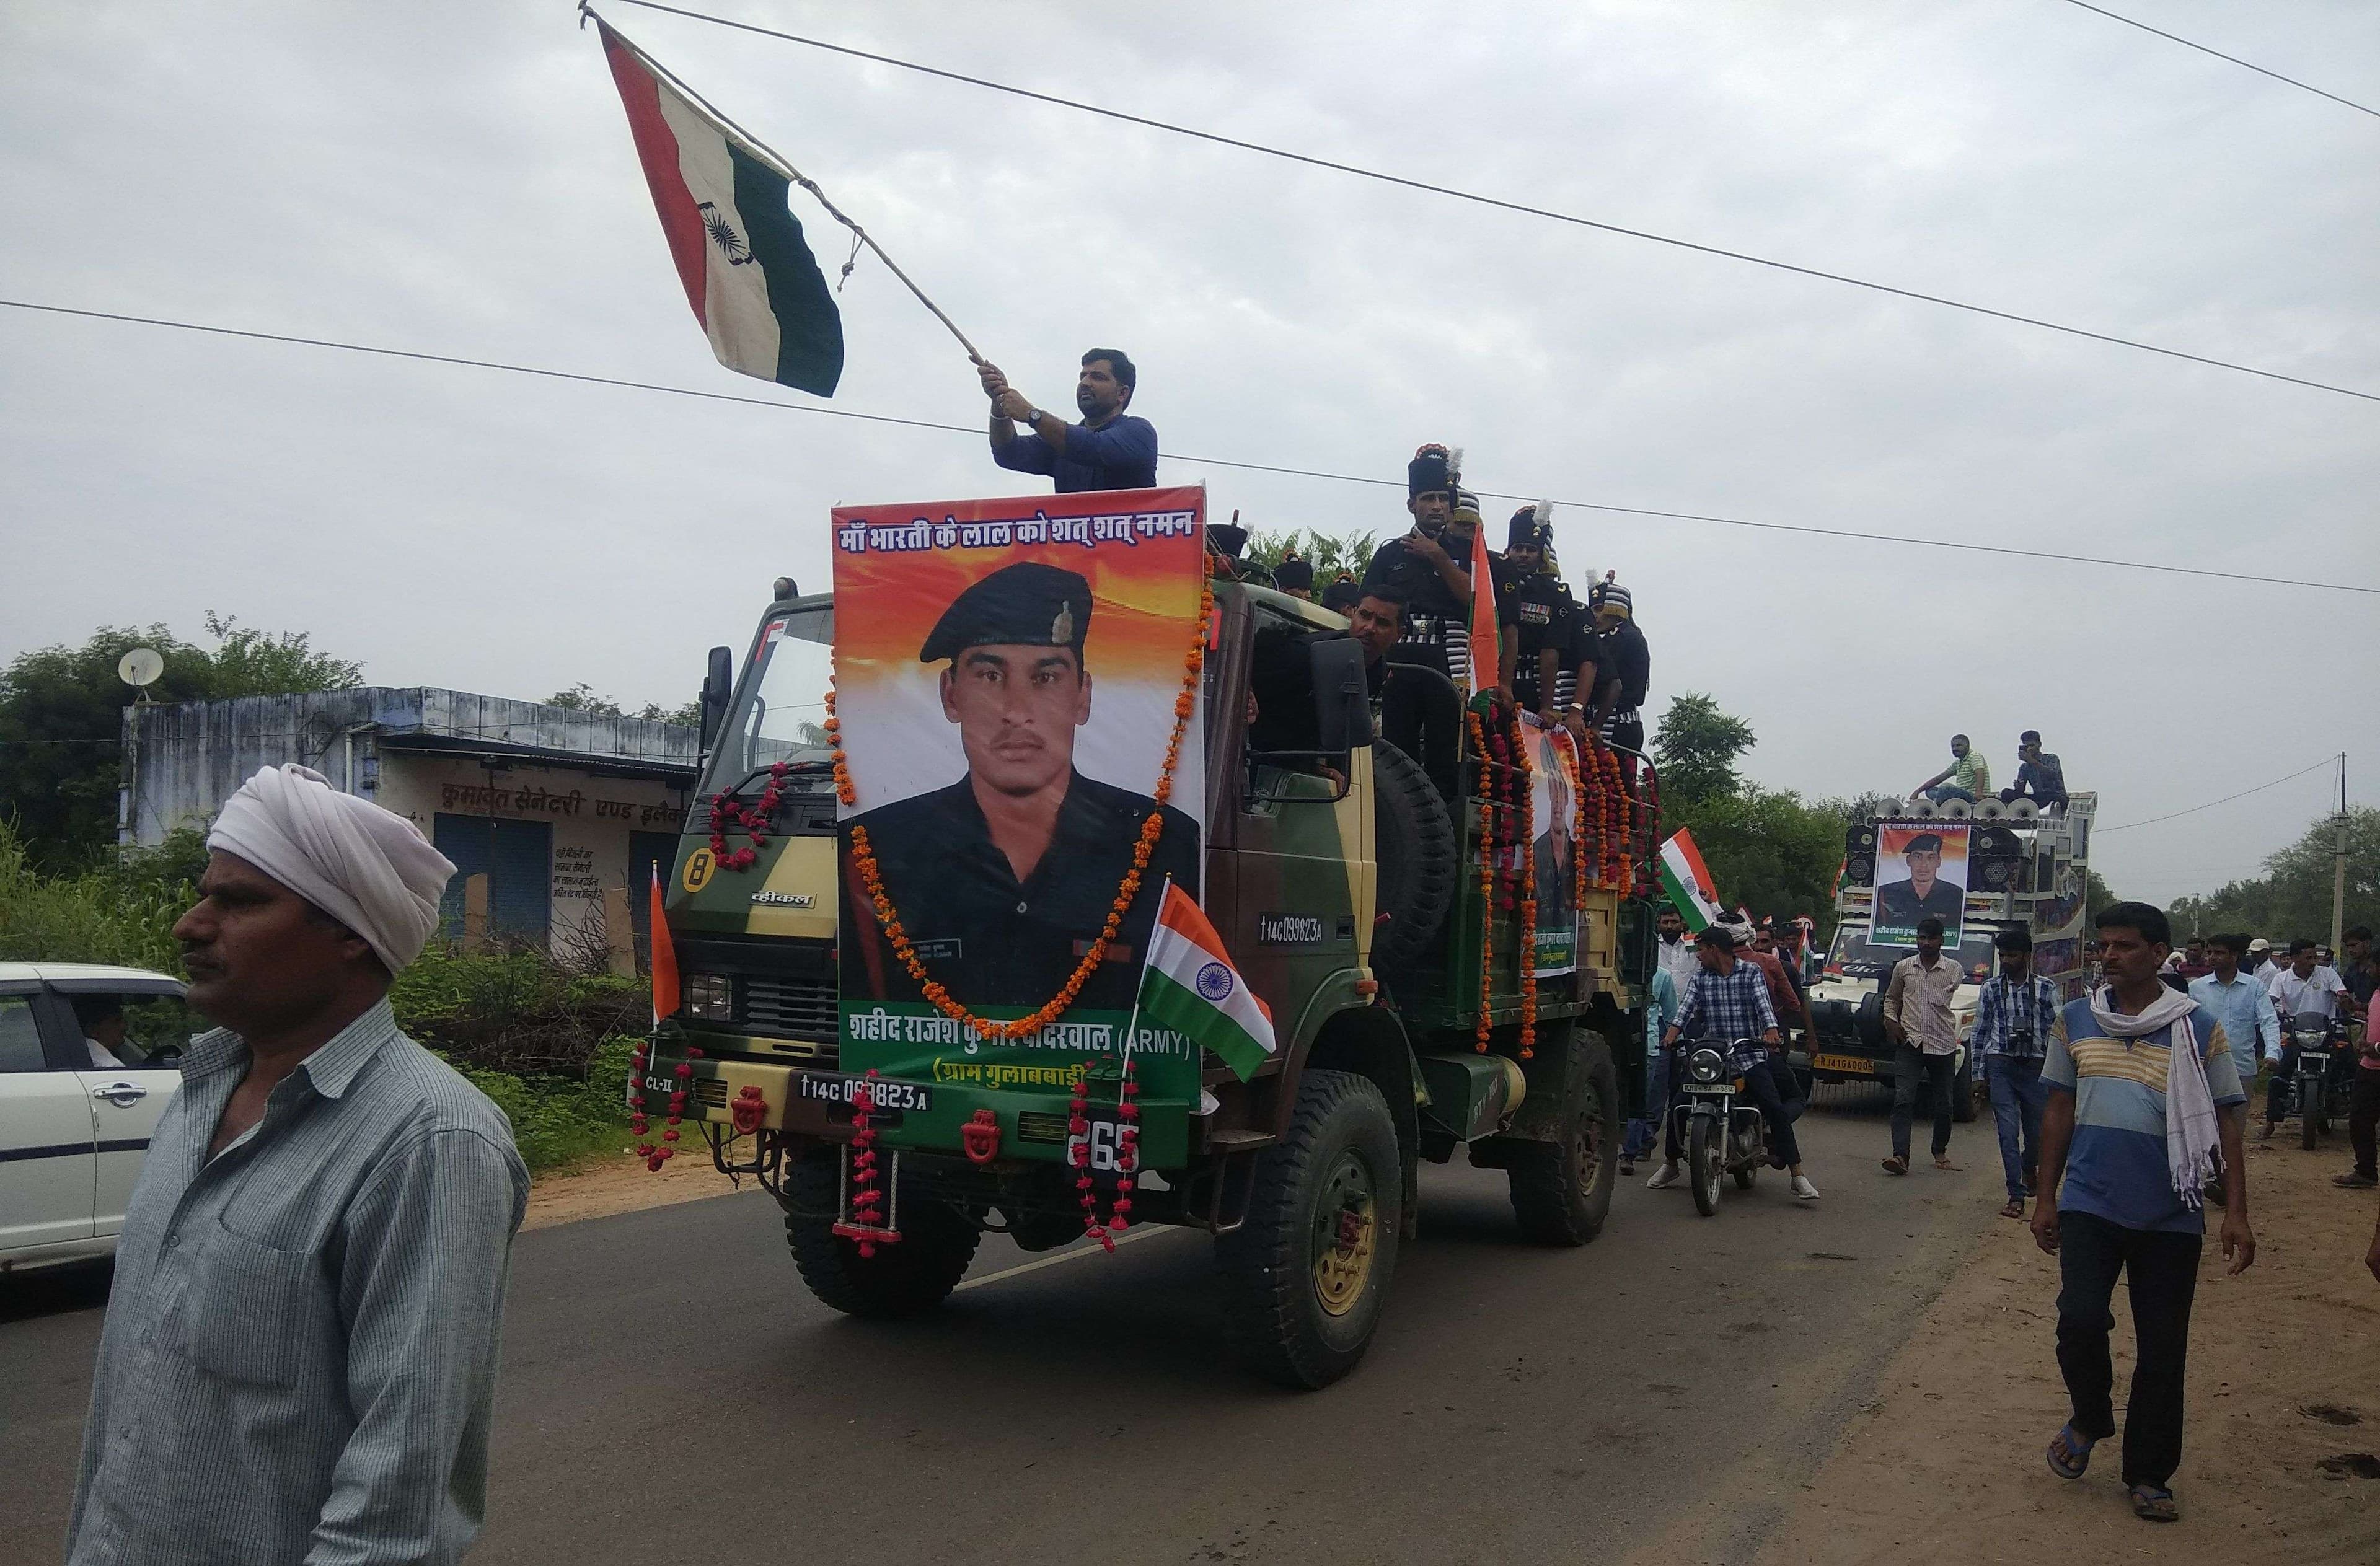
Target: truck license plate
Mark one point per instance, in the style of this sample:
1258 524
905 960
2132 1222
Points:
1858 1064
835 1088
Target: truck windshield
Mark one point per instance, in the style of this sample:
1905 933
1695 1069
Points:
780 709
1858 957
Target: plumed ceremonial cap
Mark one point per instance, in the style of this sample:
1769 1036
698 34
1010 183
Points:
1532 527
1612 596
1466 506
1229 538
1293 573
1026 604
1431 471
1342 595
1924 842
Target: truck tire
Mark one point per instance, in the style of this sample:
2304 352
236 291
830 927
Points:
1415 849
903 1279
1304 1279
1561 1191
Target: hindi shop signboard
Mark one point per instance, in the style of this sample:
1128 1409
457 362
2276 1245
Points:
1006 673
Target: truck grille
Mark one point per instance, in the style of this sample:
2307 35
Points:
1035 1125
789 1007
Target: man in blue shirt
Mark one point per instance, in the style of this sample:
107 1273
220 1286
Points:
2145 1094
2240 1004
2015 1013
1109 450
2038 774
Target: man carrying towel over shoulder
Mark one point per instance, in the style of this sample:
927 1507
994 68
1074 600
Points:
300 1352
2145 1094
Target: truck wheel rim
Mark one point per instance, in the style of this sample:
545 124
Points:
1347 1234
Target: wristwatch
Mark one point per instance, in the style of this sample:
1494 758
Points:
1034 416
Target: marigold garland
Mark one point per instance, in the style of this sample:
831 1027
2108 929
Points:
889 919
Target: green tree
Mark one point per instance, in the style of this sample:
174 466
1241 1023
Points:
1768 850
582 698
61 721
2291 899
1696 745
1328 553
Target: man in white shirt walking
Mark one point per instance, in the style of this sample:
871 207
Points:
1917 1018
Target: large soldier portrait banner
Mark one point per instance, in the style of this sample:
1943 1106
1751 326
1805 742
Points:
1921 871
1553 813
1006 675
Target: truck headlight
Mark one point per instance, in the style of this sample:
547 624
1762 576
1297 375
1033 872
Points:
710 997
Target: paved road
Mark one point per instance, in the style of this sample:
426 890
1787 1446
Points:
666 1381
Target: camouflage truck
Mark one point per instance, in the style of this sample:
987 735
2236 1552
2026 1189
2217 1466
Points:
1351 901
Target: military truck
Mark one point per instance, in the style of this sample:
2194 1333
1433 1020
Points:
2024 869
1348 891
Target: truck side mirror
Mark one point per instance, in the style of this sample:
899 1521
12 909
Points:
717 685
1342 699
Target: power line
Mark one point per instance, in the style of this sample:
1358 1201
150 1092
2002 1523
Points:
2203 49
977 429
2325 761
1499 202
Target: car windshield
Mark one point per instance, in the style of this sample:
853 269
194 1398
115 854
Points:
779 710
1855 955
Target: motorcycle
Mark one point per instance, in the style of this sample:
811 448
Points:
1723 1126
2319 1081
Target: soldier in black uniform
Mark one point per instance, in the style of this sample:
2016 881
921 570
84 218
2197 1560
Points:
1343 594
1429 567
1004 879
1900 903
1538 611
1615 667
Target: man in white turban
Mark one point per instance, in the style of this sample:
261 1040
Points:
301 1350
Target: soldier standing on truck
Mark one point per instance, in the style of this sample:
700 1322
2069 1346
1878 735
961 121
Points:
1538 611
1000 875
1431 564
1616 664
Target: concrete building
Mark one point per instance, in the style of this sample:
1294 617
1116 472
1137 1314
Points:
554 808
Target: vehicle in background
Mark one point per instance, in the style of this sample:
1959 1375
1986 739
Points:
74 1128
2026 868
1365 944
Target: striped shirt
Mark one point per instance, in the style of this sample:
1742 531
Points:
301 1350
2115 1166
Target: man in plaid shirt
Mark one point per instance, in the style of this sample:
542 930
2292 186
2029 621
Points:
2014 1015
1727 1007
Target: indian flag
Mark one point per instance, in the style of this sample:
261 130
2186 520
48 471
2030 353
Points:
1190 986
1688 882
740 254
1486 659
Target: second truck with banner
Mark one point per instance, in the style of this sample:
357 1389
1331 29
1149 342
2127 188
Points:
1046 884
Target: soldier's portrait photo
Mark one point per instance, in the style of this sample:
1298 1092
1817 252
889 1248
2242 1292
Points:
1920 872
1006 711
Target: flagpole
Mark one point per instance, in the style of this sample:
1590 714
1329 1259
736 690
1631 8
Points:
1132 1029
785 168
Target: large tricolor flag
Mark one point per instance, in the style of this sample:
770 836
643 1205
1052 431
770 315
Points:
1688 883
747 271
1190 986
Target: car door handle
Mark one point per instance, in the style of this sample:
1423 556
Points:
120 1094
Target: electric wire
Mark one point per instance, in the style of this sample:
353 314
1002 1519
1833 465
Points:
2325 761
1957 544
2177 38
1459 195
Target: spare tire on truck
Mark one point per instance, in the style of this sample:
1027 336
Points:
1413 844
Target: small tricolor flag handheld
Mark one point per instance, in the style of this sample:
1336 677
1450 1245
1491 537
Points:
665 994
1188 984
1688 883
747 270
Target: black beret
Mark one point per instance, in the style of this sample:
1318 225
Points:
1293 573
1026 604
1925 843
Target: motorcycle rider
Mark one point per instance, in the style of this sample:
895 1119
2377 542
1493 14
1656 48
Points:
1725 1007
2303 989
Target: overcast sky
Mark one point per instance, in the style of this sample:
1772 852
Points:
458 178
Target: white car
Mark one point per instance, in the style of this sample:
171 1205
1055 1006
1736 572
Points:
90 1057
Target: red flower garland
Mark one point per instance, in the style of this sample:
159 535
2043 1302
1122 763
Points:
1528 895
867 1225
1487 883
1078 1154
753 819
656 1156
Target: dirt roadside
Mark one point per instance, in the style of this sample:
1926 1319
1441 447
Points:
1945 1465
620 1183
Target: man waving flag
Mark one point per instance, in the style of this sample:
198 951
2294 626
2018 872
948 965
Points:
1190 986
740 254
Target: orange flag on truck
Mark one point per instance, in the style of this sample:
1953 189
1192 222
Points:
665 999
1486 656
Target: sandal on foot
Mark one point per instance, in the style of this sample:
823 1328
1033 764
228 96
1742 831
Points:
2152 1504
1895 1165
2069 1454
2014 1210
1945 1165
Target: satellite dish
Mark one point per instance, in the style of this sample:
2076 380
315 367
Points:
141 666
